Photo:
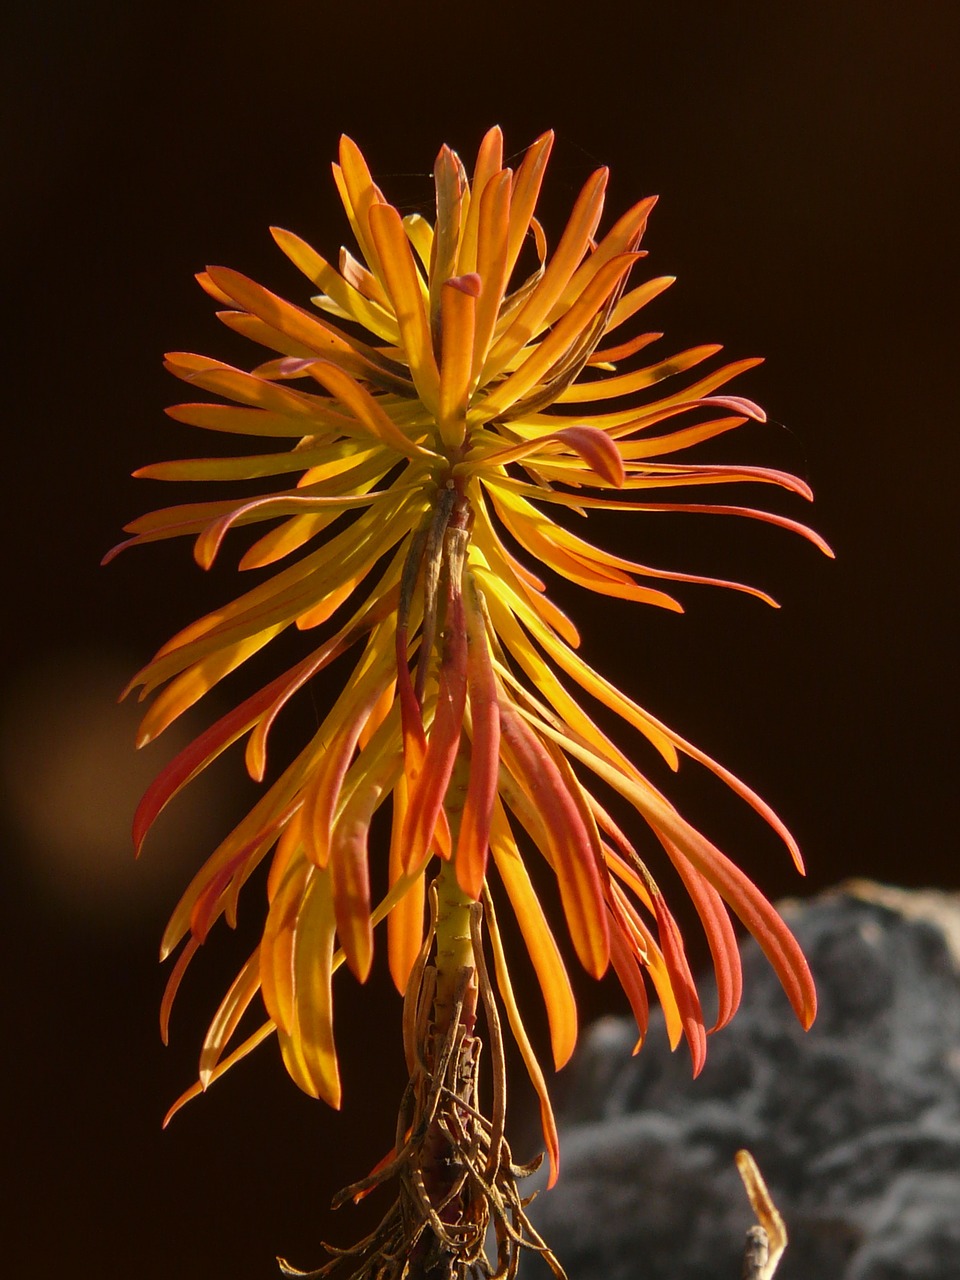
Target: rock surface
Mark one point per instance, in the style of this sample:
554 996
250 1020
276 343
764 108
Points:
855 1125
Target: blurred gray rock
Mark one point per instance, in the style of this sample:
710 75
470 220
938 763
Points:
855 1125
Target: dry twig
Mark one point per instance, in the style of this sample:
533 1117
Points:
767 1240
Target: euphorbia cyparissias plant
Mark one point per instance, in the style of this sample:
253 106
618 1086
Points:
444 405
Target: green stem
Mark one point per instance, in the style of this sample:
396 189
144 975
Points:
456 983
454 946
454 943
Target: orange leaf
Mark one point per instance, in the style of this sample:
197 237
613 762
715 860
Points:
684 987
597 450
405 921
428 792
474 838
544 953
227 1018
573 858
404 287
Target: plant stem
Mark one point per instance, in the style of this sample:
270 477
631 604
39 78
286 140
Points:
454 951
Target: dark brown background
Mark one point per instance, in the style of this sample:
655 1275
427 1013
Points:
805 155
